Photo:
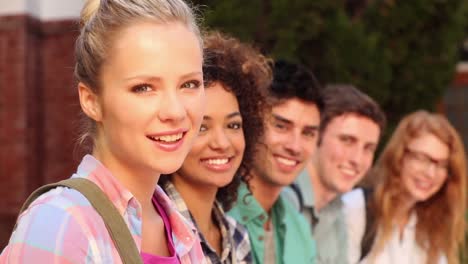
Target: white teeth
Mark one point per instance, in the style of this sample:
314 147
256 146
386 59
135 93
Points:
169 138
217 161
348 171
285 161
423 184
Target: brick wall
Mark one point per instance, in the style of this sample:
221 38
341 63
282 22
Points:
38 109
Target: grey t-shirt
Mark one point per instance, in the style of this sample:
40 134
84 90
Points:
270 257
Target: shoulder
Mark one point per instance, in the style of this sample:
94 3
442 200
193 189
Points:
240 238
354 211
295 221
291 195
237 231
44 231
354 202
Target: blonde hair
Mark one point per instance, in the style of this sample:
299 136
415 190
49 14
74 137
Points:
100 22
441 224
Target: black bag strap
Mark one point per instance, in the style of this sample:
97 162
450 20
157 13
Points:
370 230
298 193
295 187
116 226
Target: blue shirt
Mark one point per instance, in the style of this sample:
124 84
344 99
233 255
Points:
330 231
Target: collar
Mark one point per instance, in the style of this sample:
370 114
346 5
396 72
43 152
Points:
93 170
218 214
184 233
305 185
248 206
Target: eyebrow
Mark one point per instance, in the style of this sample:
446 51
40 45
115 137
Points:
312 127
287 121
282 119
157 79
229 116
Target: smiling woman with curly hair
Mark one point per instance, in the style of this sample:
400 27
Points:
236 78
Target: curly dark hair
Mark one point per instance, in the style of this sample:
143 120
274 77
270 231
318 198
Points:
245 72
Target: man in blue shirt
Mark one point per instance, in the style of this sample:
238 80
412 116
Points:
350 129
278 232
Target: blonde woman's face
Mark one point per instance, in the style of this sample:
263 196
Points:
424 166
151 103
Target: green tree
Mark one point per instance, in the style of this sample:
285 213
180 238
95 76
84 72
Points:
402 53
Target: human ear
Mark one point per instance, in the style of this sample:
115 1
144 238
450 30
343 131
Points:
89 102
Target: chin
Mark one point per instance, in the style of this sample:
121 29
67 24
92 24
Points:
169 167
420 197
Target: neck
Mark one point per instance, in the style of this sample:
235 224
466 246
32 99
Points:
265 193
322 195
403 211
199 200
140 182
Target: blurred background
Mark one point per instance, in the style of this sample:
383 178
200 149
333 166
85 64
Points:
407 55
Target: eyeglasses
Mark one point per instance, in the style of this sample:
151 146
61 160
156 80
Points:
424 161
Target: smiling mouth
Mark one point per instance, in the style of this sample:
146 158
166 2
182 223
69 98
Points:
349 173
221 161
167 138
286 161
423 185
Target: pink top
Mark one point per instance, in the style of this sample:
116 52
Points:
61 226
153 259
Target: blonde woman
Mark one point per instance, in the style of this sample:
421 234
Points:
139 67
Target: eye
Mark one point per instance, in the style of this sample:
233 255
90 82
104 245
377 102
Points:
279 126
141 88
194 84
370 149
310 133
235 125
346 139
203 128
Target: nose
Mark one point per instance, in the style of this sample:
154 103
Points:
293 144
172 108
431 169
219 140
356 156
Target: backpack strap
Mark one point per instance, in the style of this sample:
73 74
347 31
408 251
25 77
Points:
298 193
370 230
116 226
300 198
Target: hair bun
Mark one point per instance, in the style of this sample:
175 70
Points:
89 11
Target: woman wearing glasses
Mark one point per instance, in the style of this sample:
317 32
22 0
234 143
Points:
418 199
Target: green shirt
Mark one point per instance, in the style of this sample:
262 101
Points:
293 239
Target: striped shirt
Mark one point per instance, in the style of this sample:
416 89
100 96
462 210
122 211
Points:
235 239
61 226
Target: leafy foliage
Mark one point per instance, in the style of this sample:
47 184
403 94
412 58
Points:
402 53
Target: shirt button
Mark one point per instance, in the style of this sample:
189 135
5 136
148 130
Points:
261 217
260 238
244 218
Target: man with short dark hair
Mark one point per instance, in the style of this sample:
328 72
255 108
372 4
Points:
278 232
351 126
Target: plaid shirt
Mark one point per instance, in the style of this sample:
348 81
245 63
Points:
235 239
61 226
